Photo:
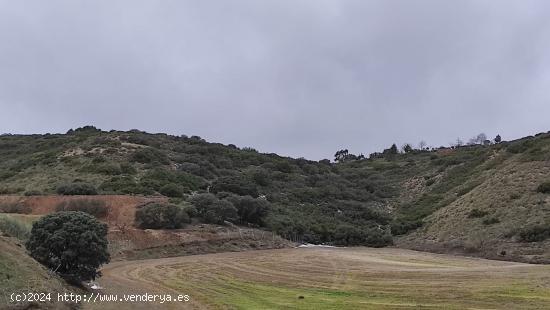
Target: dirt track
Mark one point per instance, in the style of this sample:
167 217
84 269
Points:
330 278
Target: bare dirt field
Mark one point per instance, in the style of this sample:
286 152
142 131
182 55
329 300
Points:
330 278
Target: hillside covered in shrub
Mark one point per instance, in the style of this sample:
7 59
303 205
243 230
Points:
357 201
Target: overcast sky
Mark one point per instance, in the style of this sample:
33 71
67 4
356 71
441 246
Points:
299 78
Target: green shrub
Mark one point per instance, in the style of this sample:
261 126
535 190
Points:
85 129
190 210
413 213
108 168
239 185
150 156
171 190
544 187
476 213
401 226
219 212
519 146
15 207
32 193
14 228
160 216
156 178
74 244
202 201
77 188
127 168
535 233
213 210
353 235
490 221
261 177
10 190
250 210
95 207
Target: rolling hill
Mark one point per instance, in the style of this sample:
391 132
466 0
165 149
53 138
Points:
486 200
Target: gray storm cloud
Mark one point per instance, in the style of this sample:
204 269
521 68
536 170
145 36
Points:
300 78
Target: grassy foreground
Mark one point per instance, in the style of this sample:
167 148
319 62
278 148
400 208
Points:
350 278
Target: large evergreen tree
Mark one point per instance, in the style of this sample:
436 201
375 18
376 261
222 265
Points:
72 243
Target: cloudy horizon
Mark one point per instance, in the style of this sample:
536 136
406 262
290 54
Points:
297 78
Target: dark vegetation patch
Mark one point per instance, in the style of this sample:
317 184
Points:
72 244
490 221
161 216
213 210
150 156
535 233
544 187
531 148
32 193
476 213
77 188
14 207
171 190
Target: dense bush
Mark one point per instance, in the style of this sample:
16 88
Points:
519 146
412 214
15 207
239 185
195 169
544 187
150 156
189 209
202 201
77 188
95 207
535 233
361 211
219 212
250 210
355 235
14 228
401 226
160 215
261 177
32 193
85 129
72 243
156 178
213 210
171 190
490 221
476 213
10 190
101 166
